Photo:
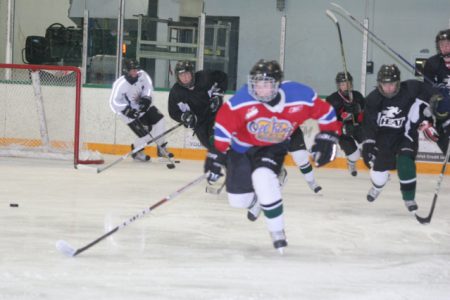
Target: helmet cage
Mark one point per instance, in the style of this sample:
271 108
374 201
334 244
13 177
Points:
262 87
182 67
443 35
388 74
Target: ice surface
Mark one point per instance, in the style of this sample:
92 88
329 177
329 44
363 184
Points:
197 247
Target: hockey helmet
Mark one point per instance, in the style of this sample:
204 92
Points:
340 77
388 74
264 80
443 35
128 65
183 67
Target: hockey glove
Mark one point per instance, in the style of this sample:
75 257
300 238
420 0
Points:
213 166
215 103
130 112
368 152
188 119
439 106
144 103
324 149
429 132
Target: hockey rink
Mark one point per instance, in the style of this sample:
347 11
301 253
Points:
197 247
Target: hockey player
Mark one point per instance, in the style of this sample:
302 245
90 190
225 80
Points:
349 109
194 101
437 70
131 100
388 145
253 129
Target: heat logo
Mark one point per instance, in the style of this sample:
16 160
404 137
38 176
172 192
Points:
270 130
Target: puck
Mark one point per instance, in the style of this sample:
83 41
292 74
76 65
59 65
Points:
14 205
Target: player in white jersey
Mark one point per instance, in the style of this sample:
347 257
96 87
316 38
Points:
131 100
254 129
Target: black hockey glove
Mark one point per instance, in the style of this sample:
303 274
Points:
324 149
130 112
144 103
188 119
368 152
213 166
215 103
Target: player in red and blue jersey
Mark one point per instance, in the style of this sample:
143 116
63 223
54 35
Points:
254 128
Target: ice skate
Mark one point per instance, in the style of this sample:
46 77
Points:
140 156
163 152
411 205
254 210
352 168
279 240
314 186
373 194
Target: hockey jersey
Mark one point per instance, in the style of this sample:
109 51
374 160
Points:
124 94
243 121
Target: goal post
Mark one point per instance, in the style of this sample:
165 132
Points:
41 113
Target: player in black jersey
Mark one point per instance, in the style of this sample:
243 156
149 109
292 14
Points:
349 110
437 73
388 144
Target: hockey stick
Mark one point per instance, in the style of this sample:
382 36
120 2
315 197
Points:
65 248
162 150
380 40
101 169
344 62
427 219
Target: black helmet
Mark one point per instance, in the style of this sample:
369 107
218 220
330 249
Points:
340 77
443 35
268 71
185 66
267 68
129 64
388 73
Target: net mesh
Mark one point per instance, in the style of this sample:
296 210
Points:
41 115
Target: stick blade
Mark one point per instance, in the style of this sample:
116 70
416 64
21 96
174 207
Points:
65 248
423 221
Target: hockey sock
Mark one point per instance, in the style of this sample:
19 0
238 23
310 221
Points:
301 159
267 189
406 169
353 158
240 200
379 178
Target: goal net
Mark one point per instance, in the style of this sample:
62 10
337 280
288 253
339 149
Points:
41 113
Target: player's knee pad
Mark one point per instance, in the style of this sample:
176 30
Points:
240 200
354 156
300 157
379 178
265 183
